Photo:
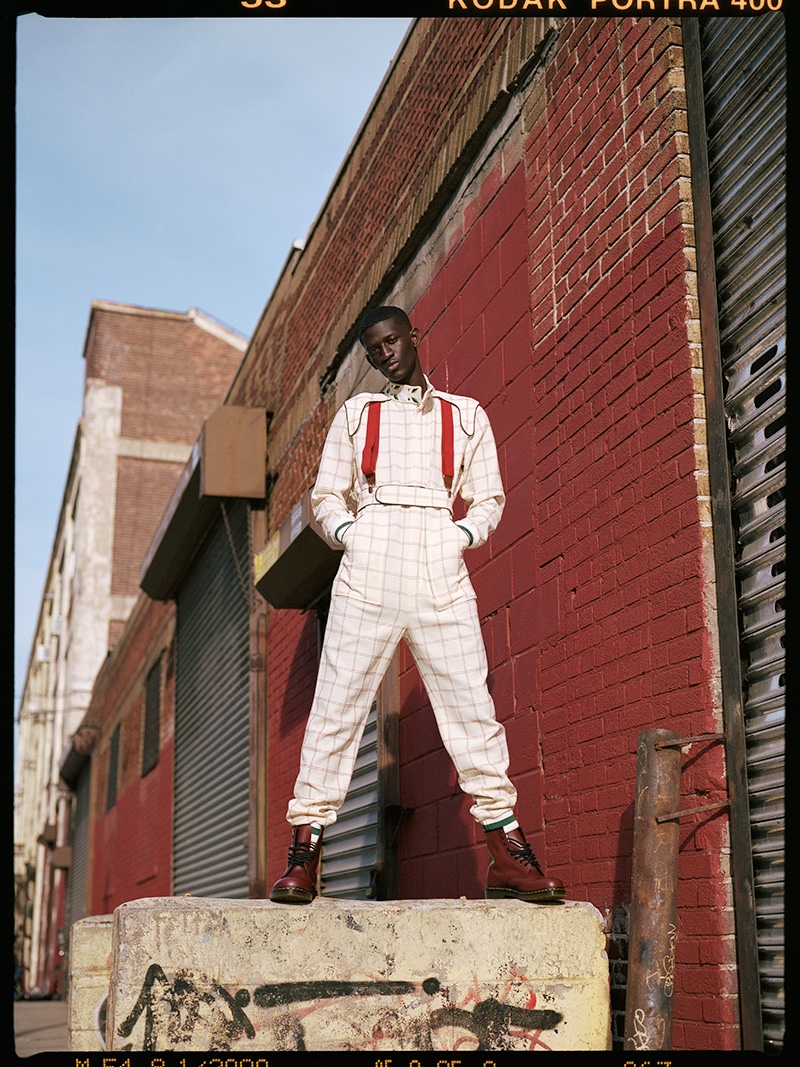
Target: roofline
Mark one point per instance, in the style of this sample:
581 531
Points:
299 244
200 318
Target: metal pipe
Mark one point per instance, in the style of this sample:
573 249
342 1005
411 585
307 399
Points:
651 942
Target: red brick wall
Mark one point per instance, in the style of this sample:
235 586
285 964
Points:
144 488
563 306
131 845
173 372
134 839
591 592
617 518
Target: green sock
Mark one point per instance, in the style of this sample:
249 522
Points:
507 824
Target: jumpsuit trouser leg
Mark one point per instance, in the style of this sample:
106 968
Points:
447 646
360 639
450 655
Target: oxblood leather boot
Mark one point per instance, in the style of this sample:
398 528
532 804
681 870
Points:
299 882
514 871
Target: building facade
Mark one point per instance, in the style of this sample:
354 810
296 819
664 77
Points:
585 218
151 378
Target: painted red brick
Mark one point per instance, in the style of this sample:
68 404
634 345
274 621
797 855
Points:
560 303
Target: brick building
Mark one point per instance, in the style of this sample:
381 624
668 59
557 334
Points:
553 201
151 378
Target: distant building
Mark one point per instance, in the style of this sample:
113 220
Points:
151 379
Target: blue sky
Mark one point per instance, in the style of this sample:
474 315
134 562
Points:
168 163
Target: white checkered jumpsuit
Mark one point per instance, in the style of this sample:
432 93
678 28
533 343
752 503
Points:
402 575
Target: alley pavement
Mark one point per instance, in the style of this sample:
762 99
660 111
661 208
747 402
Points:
40 1026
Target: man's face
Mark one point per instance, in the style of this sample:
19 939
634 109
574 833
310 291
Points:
392 347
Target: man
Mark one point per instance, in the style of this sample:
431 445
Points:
391 466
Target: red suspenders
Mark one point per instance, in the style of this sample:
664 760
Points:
447 444
369 456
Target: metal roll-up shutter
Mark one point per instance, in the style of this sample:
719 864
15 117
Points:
744 81
349 849
78 870
212 706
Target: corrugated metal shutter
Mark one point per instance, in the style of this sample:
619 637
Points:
350 846
78 873
212 713
744 76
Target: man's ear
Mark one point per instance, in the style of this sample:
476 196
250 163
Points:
415 336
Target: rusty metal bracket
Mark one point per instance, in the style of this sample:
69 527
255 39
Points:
654 879
395 813
692 811
681 742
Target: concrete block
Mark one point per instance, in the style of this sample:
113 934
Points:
246 975
90 950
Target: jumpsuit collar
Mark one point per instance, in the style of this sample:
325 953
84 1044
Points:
409 394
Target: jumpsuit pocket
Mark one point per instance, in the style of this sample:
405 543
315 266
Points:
448 571
358 576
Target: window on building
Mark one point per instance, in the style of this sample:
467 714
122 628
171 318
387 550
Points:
113 770
152 718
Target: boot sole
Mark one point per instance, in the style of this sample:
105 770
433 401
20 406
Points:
291 896
540 897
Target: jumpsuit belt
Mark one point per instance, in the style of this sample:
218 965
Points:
406 495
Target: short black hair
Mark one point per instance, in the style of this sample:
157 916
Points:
381 314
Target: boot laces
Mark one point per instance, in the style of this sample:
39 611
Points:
301 854
523 853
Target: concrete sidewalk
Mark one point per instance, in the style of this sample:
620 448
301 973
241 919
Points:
40 1026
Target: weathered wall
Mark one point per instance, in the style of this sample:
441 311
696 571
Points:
175 367
131 843
90 956
622 519
357 976
555 282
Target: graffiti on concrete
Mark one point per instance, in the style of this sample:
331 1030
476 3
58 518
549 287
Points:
173 1011
100 1021
194 1012
492 1022
268 996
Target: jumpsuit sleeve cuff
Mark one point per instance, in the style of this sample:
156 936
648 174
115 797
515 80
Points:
340 530
469 530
